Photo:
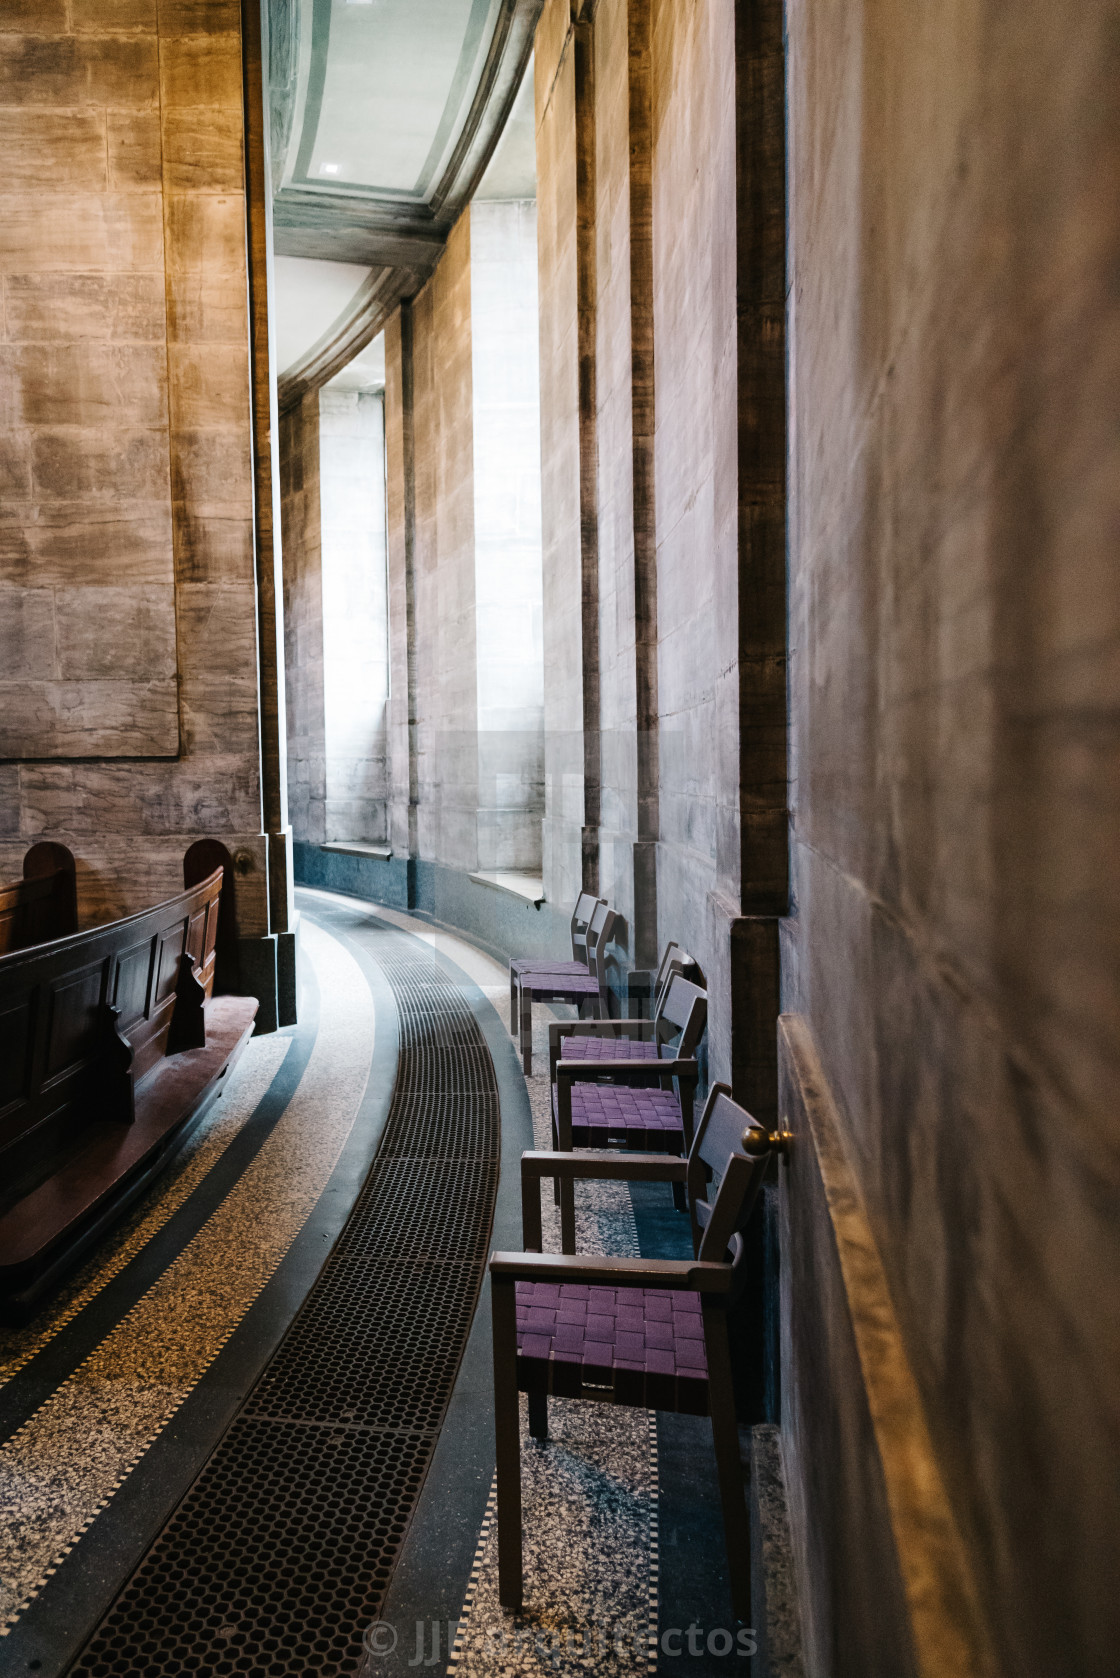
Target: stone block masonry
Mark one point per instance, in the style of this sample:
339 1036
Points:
129 695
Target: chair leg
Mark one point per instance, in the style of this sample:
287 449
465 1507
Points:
507 1431
680 1198
555 1180
538 1415
526 1030
567 1215
513 1018
729 1466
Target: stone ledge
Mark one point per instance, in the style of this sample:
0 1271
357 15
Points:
530 887
346 848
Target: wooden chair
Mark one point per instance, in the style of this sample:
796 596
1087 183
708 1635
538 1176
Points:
583 952
673 960
645 1104
645 1332
638 1040
581 920
564 983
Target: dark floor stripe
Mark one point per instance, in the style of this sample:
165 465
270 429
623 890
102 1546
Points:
280 1553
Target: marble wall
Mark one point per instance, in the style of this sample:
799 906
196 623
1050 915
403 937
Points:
621 880
302 524
639 262
955 331
400 528
446 725
696 492
128 671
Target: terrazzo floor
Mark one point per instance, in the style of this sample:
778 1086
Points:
589 1497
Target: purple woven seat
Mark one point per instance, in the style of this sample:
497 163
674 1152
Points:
606 1115
556 984
536 964
606 1048
646 1344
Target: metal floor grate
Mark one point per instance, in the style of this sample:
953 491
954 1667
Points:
280 1553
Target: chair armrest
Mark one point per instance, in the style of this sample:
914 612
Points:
618 1168
576 1069
685 1275
599 1028
611 1167
626 1168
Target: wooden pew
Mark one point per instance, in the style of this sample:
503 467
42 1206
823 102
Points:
112 1043
44 904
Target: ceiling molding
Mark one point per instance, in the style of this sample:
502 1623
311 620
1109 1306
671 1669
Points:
390 229
357 326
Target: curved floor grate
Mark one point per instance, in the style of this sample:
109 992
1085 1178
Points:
279 1555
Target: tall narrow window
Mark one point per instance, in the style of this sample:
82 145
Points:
355 617
507 497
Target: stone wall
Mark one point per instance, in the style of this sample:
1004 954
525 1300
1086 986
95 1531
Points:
128 672
615 453
302 522
638 193
446 730
567 454
954 605
696 490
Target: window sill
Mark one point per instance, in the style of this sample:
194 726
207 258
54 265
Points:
346 848
528 887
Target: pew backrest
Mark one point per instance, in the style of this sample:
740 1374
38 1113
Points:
83 1019
44 904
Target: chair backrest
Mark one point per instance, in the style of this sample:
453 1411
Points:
726 1166
675 960
581 919
682 1015
665 970
600 931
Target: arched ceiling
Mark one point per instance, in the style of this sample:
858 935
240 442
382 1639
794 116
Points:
385 117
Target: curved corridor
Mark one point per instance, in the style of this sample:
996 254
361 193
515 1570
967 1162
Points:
115 1399
255 1432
